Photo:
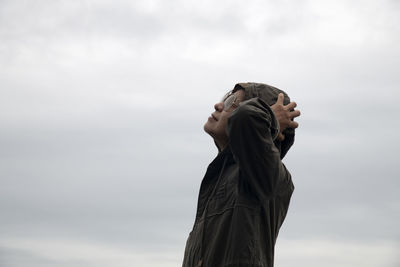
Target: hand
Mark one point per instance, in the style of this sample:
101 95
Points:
285 115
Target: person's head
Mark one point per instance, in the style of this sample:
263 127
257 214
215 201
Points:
216 124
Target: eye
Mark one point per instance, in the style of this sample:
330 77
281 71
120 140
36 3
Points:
229 102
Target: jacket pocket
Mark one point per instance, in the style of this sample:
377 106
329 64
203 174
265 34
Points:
223 199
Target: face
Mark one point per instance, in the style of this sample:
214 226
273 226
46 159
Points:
217 122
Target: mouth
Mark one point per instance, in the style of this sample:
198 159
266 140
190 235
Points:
212 115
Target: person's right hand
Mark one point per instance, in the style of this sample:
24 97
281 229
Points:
285 115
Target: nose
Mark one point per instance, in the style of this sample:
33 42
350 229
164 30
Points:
219 106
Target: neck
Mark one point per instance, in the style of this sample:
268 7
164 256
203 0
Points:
221 144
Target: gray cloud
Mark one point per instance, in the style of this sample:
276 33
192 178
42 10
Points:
102 107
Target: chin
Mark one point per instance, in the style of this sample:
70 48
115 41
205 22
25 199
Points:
208 129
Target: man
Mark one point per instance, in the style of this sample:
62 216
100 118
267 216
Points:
245 193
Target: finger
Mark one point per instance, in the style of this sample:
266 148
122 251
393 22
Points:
291 105
293 124
294 114
280 99
281 137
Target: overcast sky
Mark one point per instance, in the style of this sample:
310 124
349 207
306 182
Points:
102 106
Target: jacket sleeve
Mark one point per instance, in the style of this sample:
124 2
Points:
252 129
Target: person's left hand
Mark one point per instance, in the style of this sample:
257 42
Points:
285 115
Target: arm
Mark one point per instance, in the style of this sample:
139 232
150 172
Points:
252 129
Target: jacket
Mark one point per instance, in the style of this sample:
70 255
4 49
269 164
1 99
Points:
245 193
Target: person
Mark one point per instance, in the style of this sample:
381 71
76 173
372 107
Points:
245 193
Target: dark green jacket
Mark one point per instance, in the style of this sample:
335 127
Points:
244 195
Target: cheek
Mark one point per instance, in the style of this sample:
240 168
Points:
222 123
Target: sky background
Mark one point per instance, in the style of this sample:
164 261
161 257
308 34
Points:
102 105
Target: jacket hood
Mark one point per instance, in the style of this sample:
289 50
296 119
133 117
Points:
269 95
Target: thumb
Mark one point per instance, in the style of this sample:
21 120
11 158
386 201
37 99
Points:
280 98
